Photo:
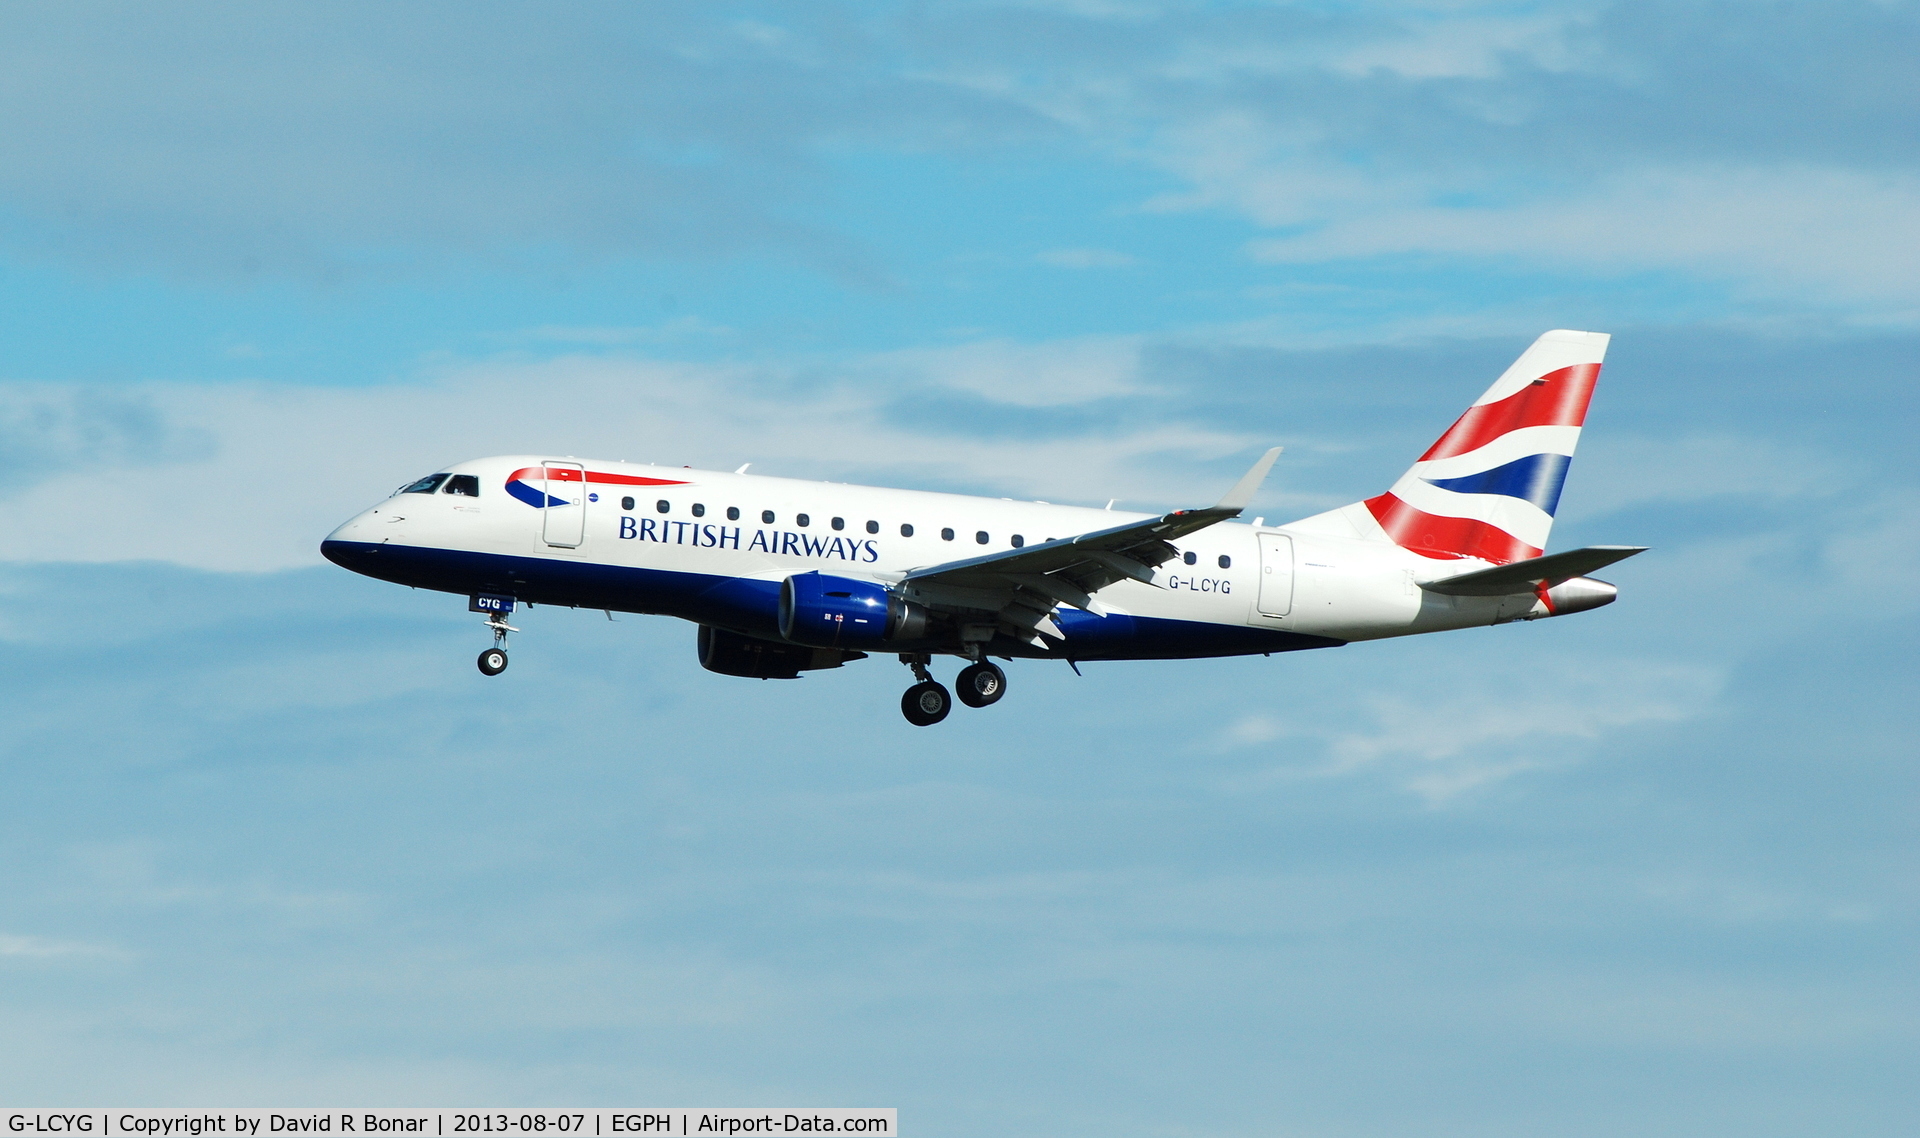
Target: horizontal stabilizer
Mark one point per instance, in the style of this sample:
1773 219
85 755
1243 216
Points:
1523 576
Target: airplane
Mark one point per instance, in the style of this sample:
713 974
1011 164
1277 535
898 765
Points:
785 576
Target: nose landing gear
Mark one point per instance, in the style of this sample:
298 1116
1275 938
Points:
494 660
495 607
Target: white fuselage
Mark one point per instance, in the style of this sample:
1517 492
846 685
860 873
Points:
663 540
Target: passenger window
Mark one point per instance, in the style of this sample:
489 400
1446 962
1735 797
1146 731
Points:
1018 541
946 535
733 513
663 505
426 485
980 537
1226 562
766 516
1190 557
839 523
466 485
699 511
906 529
802 520
873 527
626 503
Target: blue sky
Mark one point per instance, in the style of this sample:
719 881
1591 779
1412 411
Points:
270 839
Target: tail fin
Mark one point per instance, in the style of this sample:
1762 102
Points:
1488 488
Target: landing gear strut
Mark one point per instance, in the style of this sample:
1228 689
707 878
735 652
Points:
926 702
494 660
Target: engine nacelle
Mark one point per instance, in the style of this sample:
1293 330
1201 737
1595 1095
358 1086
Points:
732 654
843 613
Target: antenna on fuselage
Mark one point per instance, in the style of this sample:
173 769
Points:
743 468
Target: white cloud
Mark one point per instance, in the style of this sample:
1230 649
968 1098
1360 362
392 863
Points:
1825 568
44 948
1827 236
133 872
1236 160
1584 139
1617 471
275 468
1452 44
1050 374
1730 900
1681 1011
699 136
1878 555
1483 729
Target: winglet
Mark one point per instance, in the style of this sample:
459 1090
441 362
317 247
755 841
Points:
1249 485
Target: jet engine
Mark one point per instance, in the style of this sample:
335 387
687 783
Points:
843 613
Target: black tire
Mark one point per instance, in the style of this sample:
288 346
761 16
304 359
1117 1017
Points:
980 684
926 704
493 661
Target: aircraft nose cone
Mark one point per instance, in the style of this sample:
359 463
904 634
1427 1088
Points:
348 546
341 553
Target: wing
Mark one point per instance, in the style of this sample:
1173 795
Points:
1018 590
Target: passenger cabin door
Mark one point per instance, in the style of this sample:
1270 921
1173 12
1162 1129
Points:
1276 574
564 521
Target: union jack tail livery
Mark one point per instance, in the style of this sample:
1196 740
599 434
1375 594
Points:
1488 488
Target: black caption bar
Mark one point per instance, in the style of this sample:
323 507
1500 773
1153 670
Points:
678 1122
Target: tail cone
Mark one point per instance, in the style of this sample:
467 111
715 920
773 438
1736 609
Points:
1576 594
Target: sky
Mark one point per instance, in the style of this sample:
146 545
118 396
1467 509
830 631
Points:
269 838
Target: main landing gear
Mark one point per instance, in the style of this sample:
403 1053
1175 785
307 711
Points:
927 702
494 660
980 684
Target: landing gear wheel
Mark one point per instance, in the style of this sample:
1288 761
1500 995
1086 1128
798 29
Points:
980 684
493 661
926 704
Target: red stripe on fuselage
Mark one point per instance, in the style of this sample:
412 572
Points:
563 474
1437 536
1557 399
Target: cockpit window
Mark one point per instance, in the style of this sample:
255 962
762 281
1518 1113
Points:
468 484
426 485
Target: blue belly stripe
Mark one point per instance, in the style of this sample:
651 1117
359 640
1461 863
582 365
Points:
751 606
